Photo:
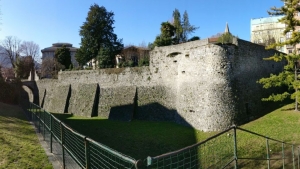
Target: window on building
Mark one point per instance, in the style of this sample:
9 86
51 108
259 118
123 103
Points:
290 51
288 35
281 39
280 49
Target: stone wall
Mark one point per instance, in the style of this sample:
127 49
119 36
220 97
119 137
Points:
203 85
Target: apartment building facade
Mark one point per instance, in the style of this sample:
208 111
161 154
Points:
268 30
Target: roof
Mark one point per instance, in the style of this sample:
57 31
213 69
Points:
271 19
227 28
137 47
59 45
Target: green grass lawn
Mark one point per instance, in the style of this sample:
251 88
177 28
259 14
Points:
137 139
140 139
19 145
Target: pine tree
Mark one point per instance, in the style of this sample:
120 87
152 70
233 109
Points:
288 77
166 36
187 28
178 26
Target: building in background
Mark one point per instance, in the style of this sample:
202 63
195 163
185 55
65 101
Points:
268 30
135 53
50 51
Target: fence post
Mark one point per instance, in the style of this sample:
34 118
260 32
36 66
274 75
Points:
50 133
62 144
283 161
44 124
39 121
298 157
293 156
235 148
32 116
87 153
268 155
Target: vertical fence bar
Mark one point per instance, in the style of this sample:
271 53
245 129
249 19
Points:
44 125
51 133
87 153
62 144
268 155
283 161
32 114
235 148
298 157
293 156
39 121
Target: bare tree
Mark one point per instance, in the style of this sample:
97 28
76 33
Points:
4 61
216 35
50 67
12 48
29 48
32 50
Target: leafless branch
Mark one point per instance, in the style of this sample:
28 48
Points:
11 49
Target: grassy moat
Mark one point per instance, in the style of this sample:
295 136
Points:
140 139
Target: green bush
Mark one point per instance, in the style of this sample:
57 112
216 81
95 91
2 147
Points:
144 61
127 63
226 38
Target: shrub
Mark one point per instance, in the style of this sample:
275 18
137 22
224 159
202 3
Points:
144 61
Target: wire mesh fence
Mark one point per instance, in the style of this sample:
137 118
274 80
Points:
214 152
231 148
71 148
226 150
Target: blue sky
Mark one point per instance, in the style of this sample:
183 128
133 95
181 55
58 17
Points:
136 21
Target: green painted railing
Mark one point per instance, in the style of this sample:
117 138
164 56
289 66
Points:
222 150
74 146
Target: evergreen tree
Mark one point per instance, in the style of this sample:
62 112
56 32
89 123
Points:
96 33
187 28
288 77
63 56
226 38
165 38
23 66
178 26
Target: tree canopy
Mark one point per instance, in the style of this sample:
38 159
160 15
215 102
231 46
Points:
175 32
166 37
288 77
97 35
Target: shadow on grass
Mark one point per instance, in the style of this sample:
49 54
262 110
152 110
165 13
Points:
137 138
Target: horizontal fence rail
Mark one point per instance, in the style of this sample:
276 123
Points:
222 151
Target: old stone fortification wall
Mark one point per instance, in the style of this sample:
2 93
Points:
108 77
203 85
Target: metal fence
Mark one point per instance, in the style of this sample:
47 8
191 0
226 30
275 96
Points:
74 149
224 150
